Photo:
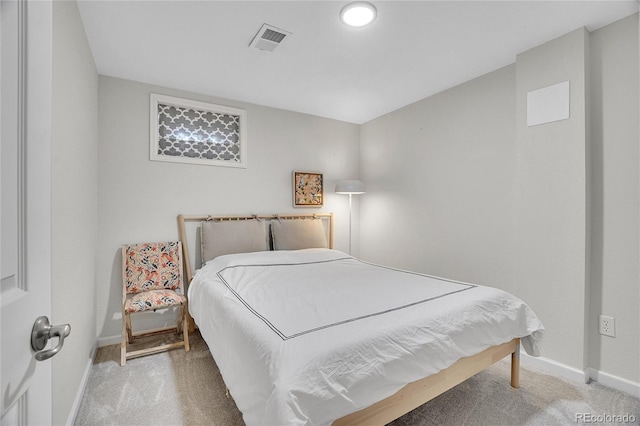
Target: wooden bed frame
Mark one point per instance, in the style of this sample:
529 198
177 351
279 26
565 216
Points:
410 396
421 391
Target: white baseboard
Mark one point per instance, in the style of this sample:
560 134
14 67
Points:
564 371
553 367
110 340
83 385
614 382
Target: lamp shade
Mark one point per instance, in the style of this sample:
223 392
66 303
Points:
350 187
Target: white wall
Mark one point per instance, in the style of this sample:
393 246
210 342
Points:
615 276
139 199
440 176
551 210
449 177
74 195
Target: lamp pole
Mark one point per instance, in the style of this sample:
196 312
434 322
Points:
350 187
350 195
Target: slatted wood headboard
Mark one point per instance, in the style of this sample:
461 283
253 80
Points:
190 262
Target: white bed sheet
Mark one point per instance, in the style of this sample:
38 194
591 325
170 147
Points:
309 336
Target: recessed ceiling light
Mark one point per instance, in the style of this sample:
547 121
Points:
358 14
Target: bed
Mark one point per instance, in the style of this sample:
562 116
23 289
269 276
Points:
305 334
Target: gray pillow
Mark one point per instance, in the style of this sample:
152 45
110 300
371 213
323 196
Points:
232 236
296 234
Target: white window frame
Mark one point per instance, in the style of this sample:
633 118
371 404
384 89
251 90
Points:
201 106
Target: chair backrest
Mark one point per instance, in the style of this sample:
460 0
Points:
152 266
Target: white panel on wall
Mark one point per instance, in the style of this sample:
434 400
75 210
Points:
548 104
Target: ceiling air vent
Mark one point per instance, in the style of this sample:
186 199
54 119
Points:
268 38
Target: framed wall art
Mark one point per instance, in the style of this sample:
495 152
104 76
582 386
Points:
307 189
186 131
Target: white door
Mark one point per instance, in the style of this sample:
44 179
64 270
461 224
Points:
25 213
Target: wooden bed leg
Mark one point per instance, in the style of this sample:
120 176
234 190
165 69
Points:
515 367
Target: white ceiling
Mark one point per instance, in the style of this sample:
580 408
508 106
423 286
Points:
413 50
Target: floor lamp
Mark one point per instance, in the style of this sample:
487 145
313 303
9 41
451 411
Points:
350 187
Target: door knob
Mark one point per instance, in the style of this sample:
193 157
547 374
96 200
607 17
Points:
43 331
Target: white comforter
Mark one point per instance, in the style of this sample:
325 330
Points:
308 336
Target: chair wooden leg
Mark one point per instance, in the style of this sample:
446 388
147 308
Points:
185 328
129 330
123 343
180 317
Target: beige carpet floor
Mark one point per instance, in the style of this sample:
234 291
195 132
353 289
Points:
185 388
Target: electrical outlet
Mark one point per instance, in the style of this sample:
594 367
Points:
607 326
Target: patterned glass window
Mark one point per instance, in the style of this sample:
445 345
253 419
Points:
194 132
